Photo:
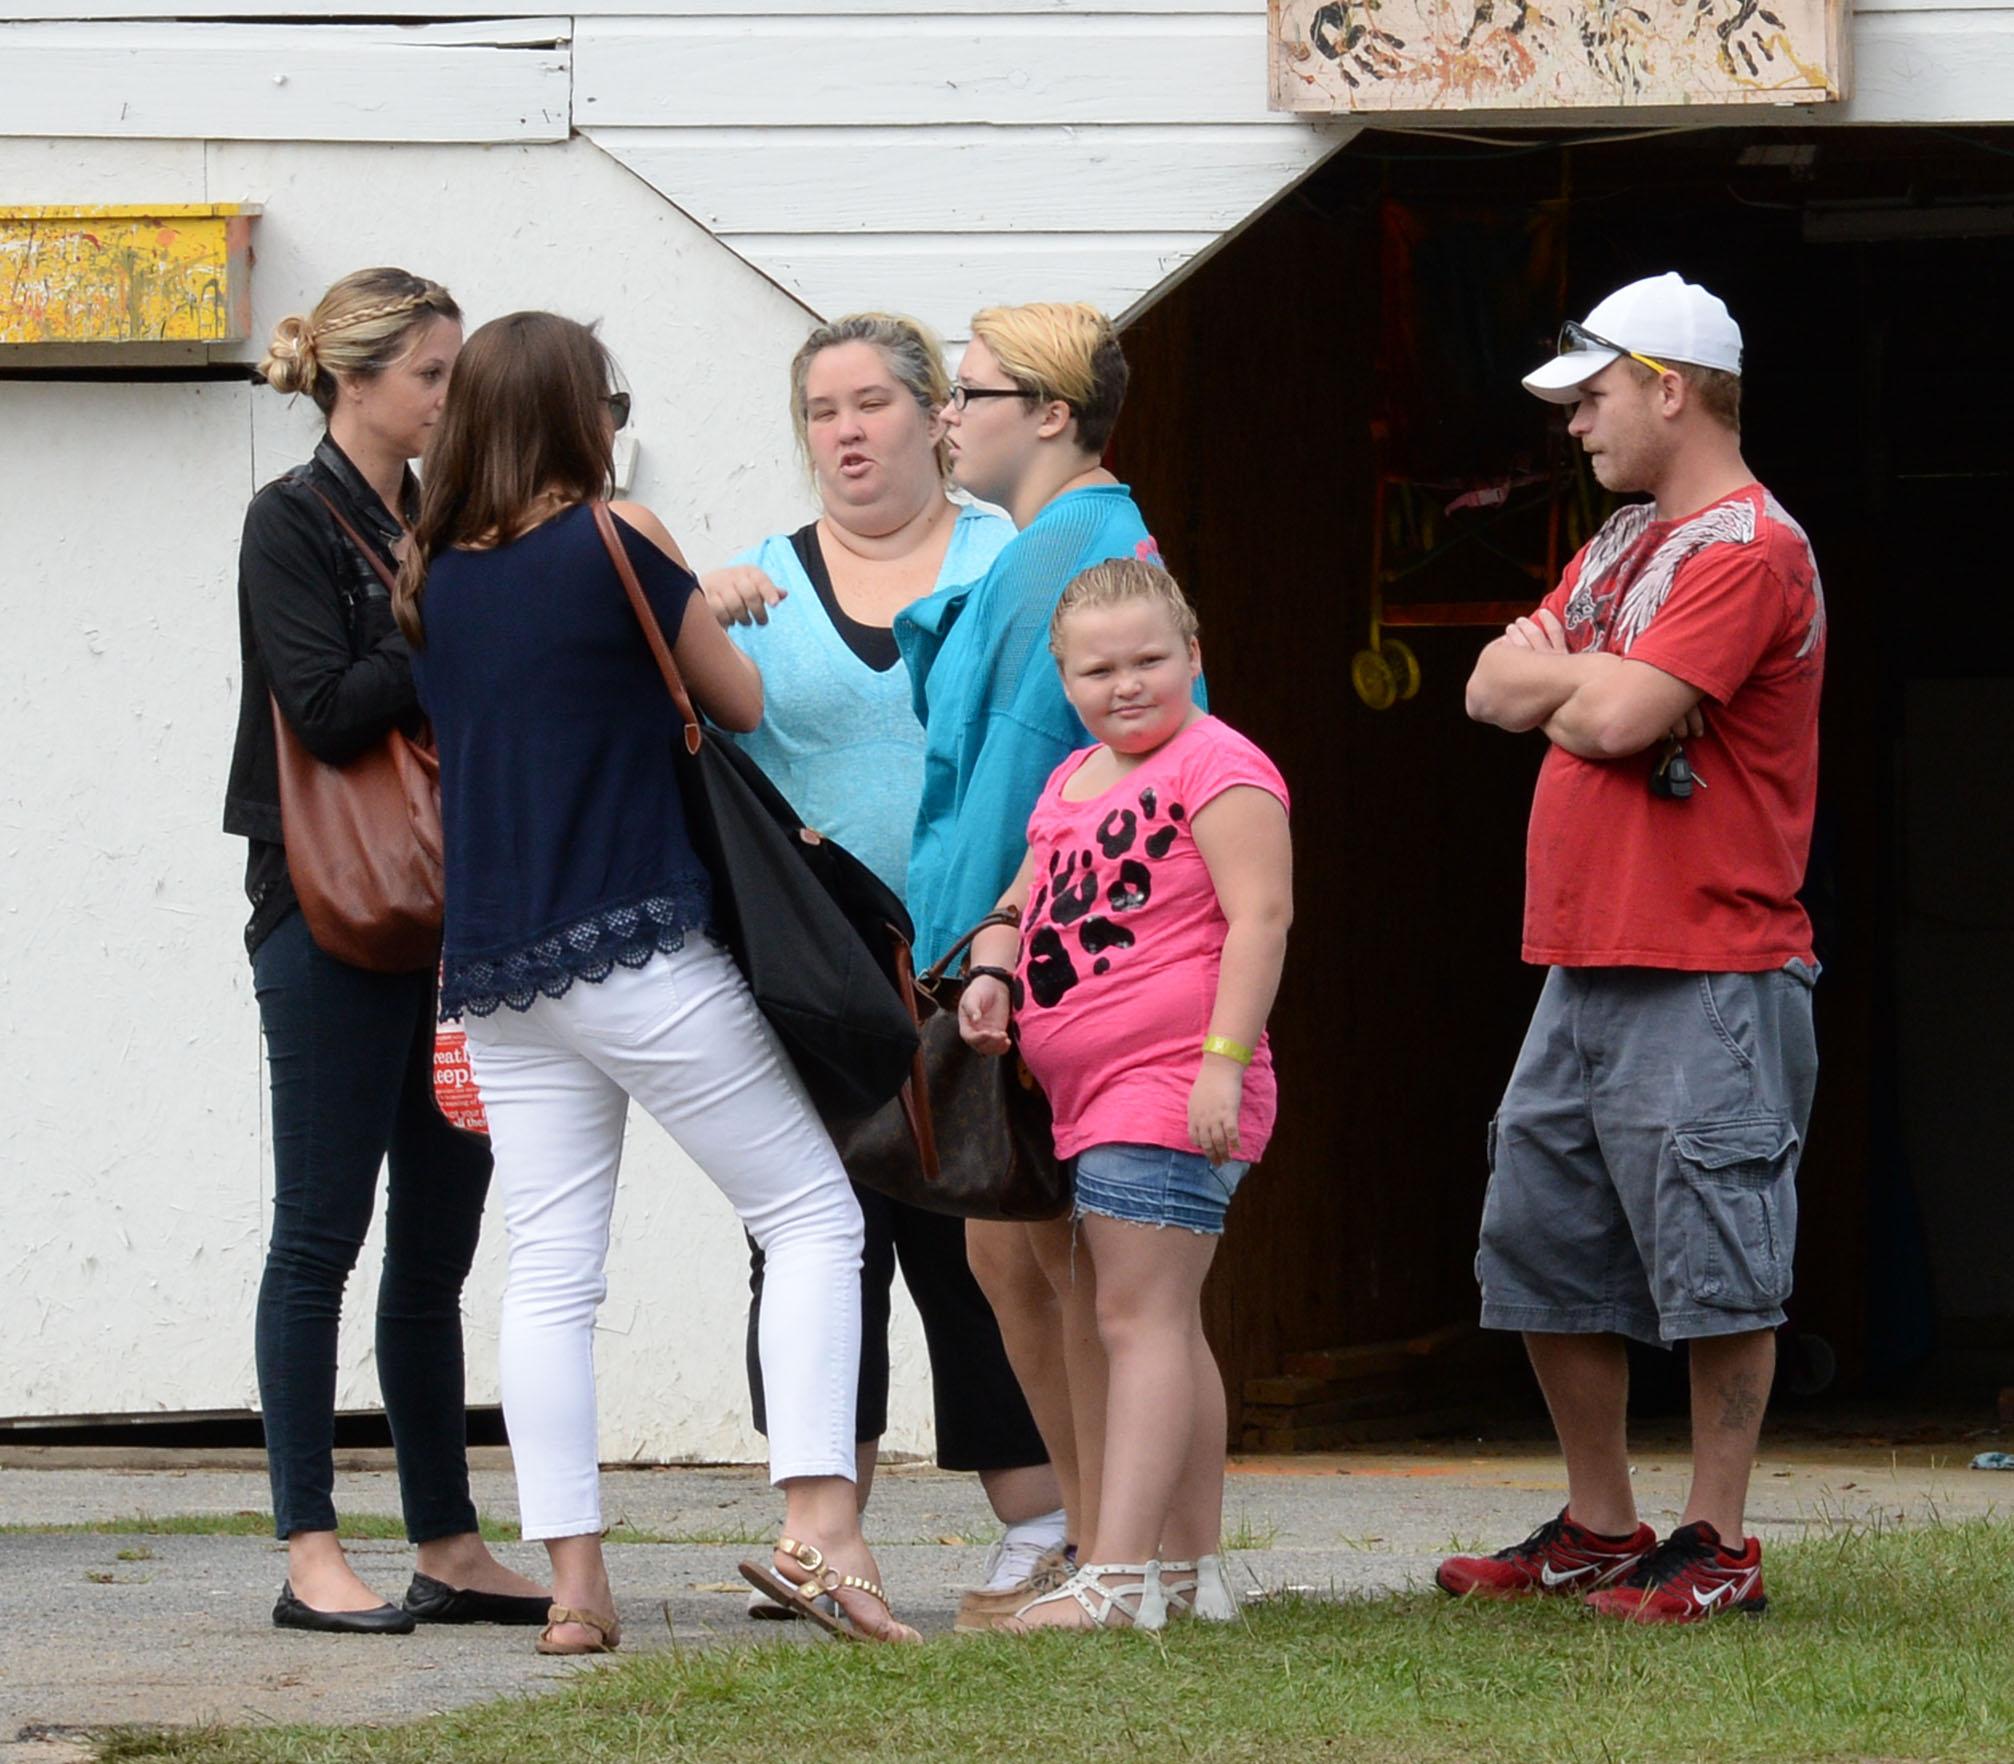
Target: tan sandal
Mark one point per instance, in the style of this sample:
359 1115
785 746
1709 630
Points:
607 1632
816 1596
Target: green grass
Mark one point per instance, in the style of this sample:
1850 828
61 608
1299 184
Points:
360 1527
1246 1533
1881 1645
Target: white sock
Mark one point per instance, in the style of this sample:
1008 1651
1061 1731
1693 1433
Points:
1045 1531
1024 1541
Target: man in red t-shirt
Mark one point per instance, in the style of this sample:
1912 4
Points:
1643 1163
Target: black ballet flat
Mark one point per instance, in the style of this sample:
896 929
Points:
434 1601
386 1619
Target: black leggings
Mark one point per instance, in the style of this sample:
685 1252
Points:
351 1057
983 1421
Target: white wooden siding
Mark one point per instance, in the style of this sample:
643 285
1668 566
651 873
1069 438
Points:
878 153
1157 178
1942 66
223 82
881 158
936 162
849 73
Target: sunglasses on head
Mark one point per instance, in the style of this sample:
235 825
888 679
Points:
1575 335
618 409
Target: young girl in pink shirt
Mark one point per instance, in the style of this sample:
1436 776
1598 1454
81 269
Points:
1154 904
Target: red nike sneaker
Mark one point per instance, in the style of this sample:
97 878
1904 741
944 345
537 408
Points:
1560 1557
1689 1577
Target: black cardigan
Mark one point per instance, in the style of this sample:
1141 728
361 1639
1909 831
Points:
315 630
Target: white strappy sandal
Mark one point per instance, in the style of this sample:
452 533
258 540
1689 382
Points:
1198 1589
1138 1605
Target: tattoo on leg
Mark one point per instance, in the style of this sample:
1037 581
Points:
1742 1398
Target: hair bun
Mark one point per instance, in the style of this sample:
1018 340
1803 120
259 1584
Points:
289 364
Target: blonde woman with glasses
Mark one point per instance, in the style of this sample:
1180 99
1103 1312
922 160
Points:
1036 396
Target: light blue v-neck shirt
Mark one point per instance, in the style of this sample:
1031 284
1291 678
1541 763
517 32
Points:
841 740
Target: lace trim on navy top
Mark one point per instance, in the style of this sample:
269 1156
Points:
589 949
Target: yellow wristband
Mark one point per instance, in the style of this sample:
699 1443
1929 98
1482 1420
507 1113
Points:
1231 1050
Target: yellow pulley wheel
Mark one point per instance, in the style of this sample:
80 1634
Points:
1403 666
1374 680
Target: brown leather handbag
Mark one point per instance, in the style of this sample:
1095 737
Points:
363 839
971 1134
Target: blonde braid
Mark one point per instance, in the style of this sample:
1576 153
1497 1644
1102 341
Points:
367 314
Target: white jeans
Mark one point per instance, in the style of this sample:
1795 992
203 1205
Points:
683 1037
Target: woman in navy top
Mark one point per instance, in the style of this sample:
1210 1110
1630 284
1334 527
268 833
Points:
577 948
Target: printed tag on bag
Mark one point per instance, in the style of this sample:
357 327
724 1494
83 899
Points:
455 1093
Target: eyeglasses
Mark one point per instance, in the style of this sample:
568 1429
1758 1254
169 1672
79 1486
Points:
618 409
1575 335
962 395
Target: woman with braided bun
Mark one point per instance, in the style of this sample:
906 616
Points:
350 1052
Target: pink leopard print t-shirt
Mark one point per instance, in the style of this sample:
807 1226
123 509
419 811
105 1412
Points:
1121 945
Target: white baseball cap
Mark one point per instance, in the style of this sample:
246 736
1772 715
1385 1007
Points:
1664 317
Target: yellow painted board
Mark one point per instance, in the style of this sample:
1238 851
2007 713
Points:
126 273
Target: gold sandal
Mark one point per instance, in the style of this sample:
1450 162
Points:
811 1596
607 1631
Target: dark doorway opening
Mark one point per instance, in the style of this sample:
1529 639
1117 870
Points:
1371 329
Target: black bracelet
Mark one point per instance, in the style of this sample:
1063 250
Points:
1000 974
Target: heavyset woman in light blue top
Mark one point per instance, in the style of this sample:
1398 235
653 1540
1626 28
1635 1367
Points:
840 738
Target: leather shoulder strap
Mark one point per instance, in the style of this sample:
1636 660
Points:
370 551
653 632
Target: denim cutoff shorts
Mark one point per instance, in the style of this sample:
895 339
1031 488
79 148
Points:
1156 1185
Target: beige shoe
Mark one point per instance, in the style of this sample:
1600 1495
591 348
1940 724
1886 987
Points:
986 1608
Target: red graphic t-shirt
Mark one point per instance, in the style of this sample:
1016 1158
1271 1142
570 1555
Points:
1122 942
1727 600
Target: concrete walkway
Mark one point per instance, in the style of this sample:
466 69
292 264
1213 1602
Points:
173 1629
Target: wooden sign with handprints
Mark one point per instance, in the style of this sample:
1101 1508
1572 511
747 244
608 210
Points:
1458 55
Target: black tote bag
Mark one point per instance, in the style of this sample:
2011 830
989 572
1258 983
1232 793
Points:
819 937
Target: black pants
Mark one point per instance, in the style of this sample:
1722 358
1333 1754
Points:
351 1057
983 1421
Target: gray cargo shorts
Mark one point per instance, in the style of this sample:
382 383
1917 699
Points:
1643 1166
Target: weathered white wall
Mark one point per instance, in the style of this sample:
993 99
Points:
884 154
133 1176
439 82
135 1164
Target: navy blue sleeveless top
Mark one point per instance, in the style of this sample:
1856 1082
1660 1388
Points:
565 831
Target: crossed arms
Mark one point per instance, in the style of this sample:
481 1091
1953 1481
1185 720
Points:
1596 705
